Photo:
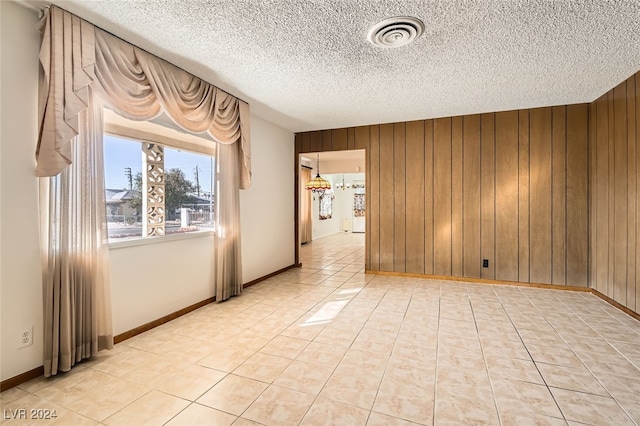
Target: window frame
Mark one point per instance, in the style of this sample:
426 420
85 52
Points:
170 137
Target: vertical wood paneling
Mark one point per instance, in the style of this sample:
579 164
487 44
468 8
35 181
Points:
523 196
387 219
373 195
315 141
351 138
339 140
577 195
540 196
602 196
558 196
615 175
621 193
487 194
636 97
326 140
415 170
306 147
548 195
506 169
362 137
399 198
428 197
442 195
456 197
472 262
612 196
298 143
592 194
637 199
632 193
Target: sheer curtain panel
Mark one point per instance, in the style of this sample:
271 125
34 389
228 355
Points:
305 206
77 311
228 264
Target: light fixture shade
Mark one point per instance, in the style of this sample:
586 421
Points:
318 184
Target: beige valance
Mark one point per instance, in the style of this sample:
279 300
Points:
132 82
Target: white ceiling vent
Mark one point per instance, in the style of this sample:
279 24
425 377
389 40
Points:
395 32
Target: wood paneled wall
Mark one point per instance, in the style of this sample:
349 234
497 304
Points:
444 194
614 121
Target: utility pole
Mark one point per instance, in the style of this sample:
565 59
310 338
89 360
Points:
127 174
197 181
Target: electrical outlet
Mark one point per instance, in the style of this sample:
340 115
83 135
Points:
485 263
25 337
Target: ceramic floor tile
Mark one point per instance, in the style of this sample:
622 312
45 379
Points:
327 412
11 395
107 400
74 386
263 367
226 358
304 377
621 388
322 353
571 378
632 408
513 368
559 355
612 365
154 408
378 419
245 422
233 394
192 382
196 414
337 342
516 418
524 397
590 409
286 347
279 406
405 402
353 387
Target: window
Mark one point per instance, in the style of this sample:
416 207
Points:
177 183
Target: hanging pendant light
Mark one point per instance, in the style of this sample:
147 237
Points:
342 185
318 184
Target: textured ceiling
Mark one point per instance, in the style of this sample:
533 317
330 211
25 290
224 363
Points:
307 64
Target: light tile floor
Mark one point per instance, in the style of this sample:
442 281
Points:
327 344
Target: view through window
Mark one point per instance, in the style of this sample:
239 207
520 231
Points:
179 193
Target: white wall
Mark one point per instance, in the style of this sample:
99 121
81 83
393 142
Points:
266 208
180 275
342 206
149 281
20 270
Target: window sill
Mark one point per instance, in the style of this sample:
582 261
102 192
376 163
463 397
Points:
134 242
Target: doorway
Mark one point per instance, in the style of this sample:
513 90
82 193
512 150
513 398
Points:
342 209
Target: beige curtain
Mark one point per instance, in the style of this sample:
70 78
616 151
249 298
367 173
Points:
77 311
305 206
227 253
82 66
132 82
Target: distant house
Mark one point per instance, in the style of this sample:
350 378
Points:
119 202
